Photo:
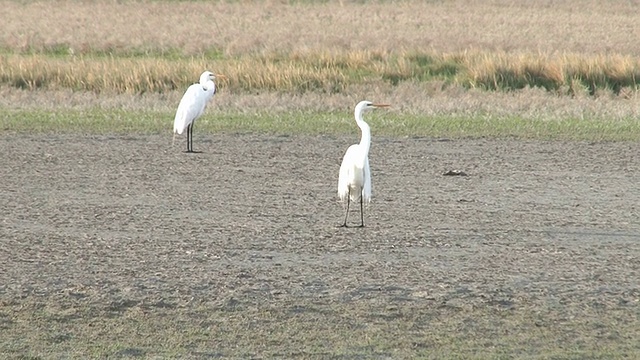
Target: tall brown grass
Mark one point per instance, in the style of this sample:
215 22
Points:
323 72
132 47
560 73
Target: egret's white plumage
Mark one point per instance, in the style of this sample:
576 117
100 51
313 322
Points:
192 105
354 181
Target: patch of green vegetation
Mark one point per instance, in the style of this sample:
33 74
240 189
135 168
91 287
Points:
95 121
430 67
114 51
143 52
509 79
603 77
340 330
101 121
594 81
420 67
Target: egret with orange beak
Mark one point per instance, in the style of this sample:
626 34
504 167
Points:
354 181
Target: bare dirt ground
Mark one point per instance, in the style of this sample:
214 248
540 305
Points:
128 247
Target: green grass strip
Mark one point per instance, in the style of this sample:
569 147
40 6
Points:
101 121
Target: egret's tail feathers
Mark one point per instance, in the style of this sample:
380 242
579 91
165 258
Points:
342 195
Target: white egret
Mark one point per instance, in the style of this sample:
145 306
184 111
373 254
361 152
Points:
192 106
354 182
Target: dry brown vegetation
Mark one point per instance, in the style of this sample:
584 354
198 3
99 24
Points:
325 72
138 47
426 58
241 27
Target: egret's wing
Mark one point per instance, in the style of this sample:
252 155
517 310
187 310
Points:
189 109
346 169
366 190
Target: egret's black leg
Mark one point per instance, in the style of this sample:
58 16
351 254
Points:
190 138
188 128
346 215
361 210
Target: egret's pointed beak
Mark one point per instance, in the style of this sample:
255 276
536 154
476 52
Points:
221 76
381 105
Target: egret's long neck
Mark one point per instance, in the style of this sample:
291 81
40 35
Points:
365 140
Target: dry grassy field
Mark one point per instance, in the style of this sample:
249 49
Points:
115 244
140 47
240 27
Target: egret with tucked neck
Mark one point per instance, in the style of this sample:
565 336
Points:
192 105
